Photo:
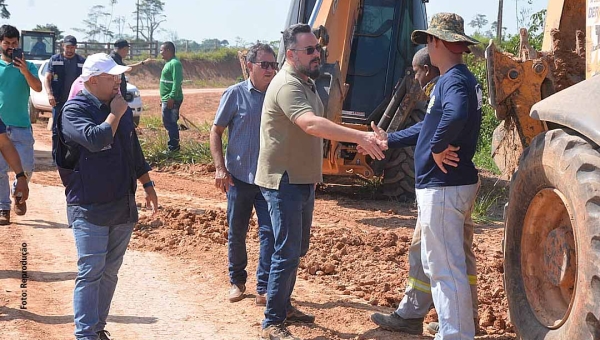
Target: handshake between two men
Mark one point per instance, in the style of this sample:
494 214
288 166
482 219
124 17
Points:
378 142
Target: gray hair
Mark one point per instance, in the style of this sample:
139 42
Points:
422 58
253 51
290 33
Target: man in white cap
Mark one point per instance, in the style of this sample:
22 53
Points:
99 159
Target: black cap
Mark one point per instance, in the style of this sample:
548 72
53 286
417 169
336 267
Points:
70 40
121 43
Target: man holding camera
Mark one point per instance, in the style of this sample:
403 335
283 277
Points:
16 77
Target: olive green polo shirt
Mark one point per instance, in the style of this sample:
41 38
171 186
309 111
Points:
284 146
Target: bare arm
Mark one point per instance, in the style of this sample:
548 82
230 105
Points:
138 64
48 82
151 197
324 128
222 176
32 80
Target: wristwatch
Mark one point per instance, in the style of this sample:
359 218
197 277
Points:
21 174
148 184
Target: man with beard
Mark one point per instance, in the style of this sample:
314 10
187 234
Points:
17 77
289 166
239 112
99 159
63 69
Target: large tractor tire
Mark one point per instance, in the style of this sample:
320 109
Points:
552 239
33 112
399 170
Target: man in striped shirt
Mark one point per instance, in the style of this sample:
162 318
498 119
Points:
240 113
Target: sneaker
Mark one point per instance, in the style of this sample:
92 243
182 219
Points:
295 315
276 332
103 335
395 323
4 217
236 292
261 299
20 208
434 327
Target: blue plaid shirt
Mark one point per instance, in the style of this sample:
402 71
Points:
240 110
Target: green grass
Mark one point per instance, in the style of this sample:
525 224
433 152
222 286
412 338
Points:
195 147
484 205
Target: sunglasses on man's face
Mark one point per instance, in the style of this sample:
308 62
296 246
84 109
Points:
266 64
310 49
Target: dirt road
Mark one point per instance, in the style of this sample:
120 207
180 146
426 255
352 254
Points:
173 283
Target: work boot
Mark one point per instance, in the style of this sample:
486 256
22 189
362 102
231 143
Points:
276 332
434 327
395 323
20 208
295 315
103 335
4 217
261 299
236 292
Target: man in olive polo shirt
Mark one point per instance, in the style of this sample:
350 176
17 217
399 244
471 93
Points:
289 166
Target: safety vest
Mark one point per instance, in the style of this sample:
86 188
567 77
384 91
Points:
58 77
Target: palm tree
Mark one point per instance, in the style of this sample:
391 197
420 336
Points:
4 13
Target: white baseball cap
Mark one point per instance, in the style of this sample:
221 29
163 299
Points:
100 63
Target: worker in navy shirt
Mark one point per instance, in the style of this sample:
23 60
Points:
446 178
63 69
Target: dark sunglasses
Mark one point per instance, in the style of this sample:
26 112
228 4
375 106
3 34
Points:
310 49
266 64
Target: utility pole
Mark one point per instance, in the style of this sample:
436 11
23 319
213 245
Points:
499 22
137 26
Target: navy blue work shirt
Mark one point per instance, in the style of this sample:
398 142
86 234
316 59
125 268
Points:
453 118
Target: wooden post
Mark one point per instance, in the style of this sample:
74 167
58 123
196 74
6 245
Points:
499 22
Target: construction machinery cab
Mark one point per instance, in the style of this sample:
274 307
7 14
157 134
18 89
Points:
38 45
366 76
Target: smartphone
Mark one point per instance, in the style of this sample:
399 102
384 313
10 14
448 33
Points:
17 53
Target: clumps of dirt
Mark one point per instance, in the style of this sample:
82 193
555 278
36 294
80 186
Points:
368 264
186 169
373 266
174 230
567 66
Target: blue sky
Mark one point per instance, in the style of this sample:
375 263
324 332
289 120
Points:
250 20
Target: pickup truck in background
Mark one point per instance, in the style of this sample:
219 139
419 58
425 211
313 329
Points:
38 101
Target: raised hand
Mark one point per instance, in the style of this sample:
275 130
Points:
448 157
118 105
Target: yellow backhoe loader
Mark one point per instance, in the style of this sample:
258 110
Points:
548 145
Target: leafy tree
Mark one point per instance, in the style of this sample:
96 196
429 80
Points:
478 22
4 13
94 26
151 16
50 27
120 22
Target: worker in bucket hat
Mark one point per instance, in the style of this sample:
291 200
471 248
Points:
446 185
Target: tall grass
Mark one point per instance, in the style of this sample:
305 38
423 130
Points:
195 147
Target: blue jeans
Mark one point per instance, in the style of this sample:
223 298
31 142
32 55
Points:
170 118
22 138
291 208
241 197
443 212
100 253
